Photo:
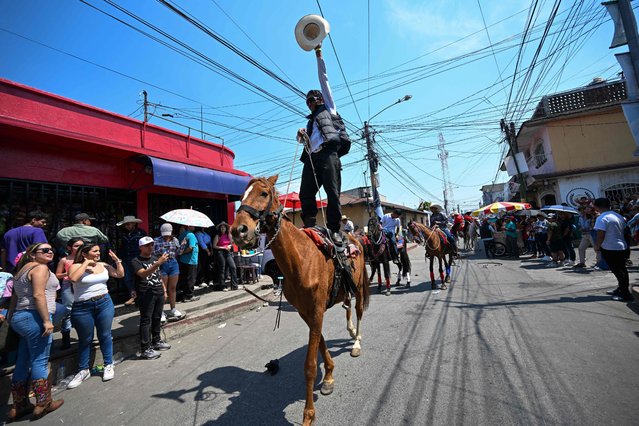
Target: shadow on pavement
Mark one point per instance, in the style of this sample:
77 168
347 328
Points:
258 397
562 299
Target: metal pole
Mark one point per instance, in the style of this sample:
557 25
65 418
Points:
512 142
146 106
372 164
630 28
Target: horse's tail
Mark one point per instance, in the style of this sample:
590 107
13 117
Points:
366 288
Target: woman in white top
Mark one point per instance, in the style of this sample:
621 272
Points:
93 307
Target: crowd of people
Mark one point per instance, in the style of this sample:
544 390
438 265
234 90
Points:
72 290
552 237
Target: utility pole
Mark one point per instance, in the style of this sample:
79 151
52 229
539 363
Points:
447 186
373 163
630 28
511 137
146 106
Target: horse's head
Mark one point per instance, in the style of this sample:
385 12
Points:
374 227
260 212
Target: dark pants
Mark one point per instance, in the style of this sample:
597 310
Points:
542 247
616 260
488 246
326 168
186 282
203 267
151 305
511 246
569 250
225 260
392 244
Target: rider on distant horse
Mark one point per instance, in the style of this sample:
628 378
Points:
392 226
440 220
458 223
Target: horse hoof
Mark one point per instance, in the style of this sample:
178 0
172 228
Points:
408 284
443 287
447 279
327 388
387 293
355 352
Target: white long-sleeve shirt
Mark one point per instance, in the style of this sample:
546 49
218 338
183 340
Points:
329 103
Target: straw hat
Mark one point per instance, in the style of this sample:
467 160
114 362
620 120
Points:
310 31
436 206
129 219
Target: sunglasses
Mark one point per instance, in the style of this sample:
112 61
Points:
311 100
45 250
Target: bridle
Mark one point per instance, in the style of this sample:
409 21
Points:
262 217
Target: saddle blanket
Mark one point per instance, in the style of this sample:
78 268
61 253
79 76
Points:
326 245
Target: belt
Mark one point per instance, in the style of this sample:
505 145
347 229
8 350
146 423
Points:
94 298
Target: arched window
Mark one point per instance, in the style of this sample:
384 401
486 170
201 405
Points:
548 200
540 154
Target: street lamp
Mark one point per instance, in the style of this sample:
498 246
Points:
373 159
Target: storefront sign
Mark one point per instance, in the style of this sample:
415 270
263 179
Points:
579 196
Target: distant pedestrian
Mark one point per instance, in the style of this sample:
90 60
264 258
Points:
487 234
82 229
586 224
223 246
555 242
347 225
93 308
204 258
128 250
188 263
16 240
541 236
151 298
512 249
170 270
610 240
66 288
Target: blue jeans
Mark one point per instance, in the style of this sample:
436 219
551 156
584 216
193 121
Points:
84 317
33 349
170 268
63 310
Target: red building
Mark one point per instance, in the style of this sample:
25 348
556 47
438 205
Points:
64 157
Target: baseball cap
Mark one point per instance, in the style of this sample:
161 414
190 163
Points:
83 216
166 229
144 241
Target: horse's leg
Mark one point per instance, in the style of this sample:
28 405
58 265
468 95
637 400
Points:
447 264
373 268
310 365
349 322
378 266
359 312
328 382
387 276
441 273
399 272
433 286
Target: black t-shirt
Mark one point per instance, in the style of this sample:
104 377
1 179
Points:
151 283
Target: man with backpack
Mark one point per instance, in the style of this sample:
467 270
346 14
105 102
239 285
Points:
325 140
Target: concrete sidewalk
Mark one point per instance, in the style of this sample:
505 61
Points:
212 307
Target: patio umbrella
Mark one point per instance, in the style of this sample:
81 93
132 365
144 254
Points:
557 208
500 206
188 217
292 201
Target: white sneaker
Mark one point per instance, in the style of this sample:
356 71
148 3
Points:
546 258
108 373
174 313
197 287
80 377
204 285
163 318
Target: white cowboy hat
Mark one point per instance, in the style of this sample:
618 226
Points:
310 31
128 219
436 206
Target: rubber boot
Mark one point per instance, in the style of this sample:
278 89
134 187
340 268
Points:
21 404
66 340
44 403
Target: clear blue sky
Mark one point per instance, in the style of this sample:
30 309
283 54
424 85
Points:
456 58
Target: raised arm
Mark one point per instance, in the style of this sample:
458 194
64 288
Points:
327 94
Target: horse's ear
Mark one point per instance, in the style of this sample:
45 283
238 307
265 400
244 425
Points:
272 179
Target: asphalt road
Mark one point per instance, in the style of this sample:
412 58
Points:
510 342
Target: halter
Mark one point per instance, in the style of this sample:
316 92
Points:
261 216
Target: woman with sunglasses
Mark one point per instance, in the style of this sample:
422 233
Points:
30 315
93 308
66 290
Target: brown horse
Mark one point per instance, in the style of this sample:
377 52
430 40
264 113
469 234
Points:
308 274
434 249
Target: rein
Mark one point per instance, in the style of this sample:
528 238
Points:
262 216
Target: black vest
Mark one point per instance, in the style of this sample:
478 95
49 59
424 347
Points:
330 135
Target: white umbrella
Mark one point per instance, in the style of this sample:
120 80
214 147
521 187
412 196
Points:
557 208
188 217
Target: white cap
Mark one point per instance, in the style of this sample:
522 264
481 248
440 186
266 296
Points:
166 229
144 241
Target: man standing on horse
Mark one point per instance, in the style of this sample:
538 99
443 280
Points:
440 220
322 166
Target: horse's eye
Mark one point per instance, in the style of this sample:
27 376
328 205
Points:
264 194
